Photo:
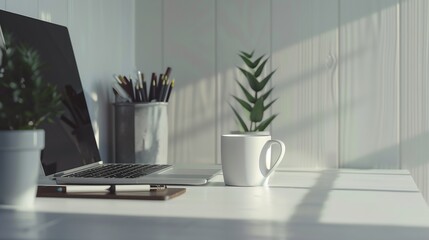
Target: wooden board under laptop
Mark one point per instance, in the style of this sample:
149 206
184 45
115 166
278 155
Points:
164 194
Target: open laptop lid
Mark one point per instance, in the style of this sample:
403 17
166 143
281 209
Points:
70 139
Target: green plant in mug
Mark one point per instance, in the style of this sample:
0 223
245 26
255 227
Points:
25 99
256 97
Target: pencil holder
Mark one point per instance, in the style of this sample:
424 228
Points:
141 133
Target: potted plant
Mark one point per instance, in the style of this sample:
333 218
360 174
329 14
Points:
26 101
246 154
256 98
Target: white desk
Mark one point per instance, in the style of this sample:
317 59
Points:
325 204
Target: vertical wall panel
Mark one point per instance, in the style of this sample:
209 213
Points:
149 36
415 91
103 40
55 11
189 48
369 63
304 46
24 7
3 4
241 25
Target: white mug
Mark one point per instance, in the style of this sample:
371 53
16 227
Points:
246 159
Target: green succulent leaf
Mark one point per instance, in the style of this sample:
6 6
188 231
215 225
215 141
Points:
248 55
257 113
249 96
267 94
244 104
253 82
269 104
240 120
260 68
264 124
247 61
256 62
264 82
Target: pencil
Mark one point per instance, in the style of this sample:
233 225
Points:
137 93
143 90
169 90
167 72
130 88
159 86
152 94
165 90
161 95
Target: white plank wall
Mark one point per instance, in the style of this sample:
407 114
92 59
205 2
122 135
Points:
369 79
90 23
53 11
415 91
28 8
304 45
149 32
110 22
189 48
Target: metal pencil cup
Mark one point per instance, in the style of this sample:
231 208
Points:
141 133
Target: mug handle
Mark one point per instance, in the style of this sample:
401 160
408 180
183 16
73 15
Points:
264 160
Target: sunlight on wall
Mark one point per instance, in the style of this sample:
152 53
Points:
95 126
191 113
45 16
306 87
94 96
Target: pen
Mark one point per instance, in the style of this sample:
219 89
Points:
122 92
123 84
162 91
100 188
169 90
130 88
137 93
152 91
167 72
142 88
159 87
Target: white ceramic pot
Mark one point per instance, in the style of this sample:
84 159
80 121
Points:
19 167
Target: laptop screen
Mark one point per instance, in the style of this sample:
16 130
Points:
69 140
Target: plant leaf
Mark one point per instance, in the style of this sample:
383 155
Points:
256 62
247 61
253 82
269 104
257 113
266 123
249 96
247 54
264 82
260 68
265 96
244 104
240 120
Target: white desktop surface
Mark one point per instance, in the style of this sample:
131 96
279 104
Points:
299 204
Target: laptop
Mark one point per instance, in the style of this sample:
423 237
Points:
71 154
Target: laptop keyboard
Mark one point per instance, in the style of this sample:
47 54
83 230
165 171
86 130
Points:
118 171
